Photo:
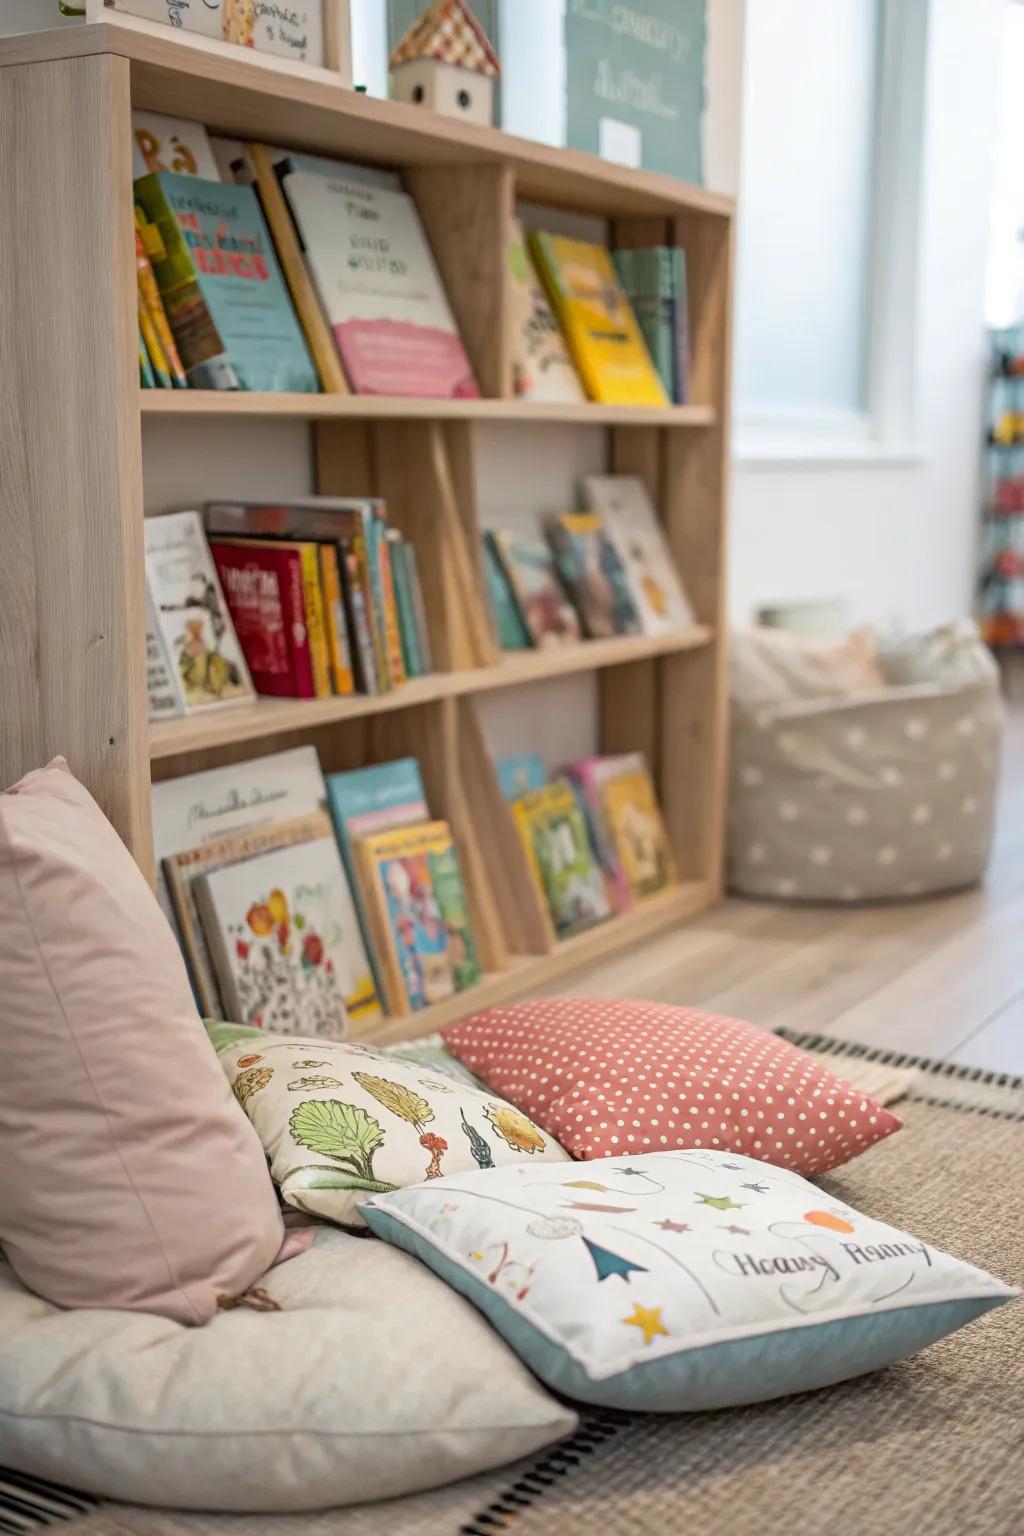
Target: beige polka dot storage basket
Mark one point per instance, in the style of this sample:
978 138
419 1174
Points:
882 795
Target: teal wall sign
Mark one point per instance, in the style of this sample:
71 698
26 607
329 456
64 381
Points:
635 81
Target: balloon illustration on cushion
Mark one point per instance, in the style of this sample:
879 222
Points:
411 1107
346 1134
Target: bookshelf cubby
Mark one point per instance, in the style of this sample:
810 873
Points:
73 468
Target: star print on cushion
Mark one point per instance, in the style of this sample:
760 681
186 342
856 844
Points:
720 1202
672 1226
648 1320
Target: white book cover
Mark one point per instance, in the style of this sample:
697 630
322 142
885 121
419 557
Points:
379 286
542 367
632 526
162 686
191 615
161 143
289 29
207 17
286 942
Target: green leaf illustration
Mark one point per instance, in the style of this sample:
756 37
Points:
340 1131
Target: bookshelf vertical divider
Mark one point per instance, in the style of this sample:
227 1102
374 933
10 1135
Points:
71 472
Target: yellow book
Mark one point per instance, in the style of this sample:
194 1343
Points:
316 626
598 321
634 820
337 628
554 835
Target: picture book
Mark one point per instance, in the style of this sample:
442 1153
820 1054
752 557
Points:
285 941
513 634
541 367
547 614
264 590
655 282
401 575
156 332
161 143
181 870
518 775
225 298
598 321
554 835
370 800
163 683
632 527
593 573
416 901
634 820
339 642
191 614
588 777
380 288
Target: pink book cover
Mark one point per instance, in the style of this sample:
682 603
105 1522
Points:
397 357
587 775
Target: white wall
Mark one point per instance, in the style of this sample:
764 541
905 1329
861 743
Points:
899 539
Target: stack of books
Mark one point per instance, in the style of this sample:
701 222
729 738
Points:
302 600
593 836
595 573
654 279
302 903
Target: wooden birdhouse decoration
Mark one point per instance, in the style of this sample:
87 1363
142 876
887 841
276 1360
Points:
445 61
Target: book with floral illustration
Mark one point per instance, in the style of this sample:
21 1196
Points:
416 902
632 527
541 366
554 834
286 943
593 573
190 613
635 822
546 612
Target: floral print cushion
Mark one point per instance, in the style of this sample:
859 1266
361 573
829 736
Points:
341 1121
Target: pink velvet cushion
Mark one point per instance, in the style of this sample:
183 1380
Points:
131 1177
607 1077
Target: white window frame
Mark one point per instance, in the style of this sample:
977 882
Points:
886 431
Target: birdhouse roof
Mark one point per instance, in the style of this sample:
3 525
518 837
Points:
448 31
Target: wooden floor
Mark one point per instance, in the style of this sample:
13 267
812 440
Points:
940 978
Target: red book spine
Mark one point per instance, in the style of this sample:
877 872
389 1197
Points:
263 588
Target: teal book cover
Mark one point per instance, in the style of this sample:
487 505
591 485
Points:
226 300
373 800
518 775
406 609
512 632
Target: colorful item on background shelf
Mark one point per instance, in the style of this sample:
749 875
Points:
655 283
1001 599
634 822
264 588
339 1122
161 143
379 287
415 900
513 634
697 1281
593 573
222 289
588 777
541 366
553 832
598 321
191 614
547 615
181 870
292 31
518 775
526 1050
285 941
632 527
163 355
445 61
164 693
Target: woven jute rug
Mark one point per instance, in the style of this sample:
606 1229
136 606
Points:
931 1447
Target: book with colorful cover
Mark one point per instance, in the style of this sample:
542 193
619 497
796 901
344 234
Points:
181 870
264 590
163 683
191 613
147 378
634 820
416 901
353 580
520 774
398 551
315 622
369 800
419 609
598 321
221 286
554 834
513 634
163 354
286 943
541 367
379 286
339 642
588 777
391 628
162 143
528 563
592 571
632 527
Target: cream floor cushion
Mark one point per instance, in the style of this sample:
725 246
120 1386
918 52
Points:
374 1379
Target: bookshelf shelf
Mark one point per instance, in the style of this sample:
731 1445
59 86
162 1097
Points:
188 403
279 717
72 592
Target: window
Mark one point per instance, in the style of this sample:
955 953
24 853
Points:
1004 298
829 188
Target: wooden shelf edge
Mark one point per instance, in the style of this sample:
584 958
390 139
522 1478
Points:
229 403
527 973
272 717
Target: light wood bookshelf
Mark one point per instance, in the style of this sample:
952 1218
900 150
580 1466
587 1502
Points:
71 446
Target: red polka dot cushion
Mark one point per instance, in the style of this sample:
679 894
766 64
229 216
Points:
607 1077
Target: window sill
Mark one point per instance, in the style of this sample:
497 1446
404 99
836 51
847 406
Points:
786 454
